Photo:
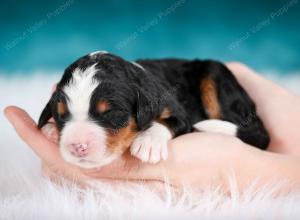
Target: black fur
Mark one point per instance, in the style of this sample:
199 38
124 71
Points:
165 83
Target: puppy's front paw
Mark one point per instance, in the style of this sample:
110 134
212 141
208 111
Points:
152 145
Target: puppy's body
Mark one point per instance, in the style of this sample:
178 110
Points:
103 105
208 90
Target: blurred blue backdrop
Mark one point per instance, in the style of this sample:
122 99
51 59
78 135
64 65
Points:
49 35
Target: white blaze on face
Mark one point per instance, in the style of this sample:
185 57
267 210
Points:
83 142
79 92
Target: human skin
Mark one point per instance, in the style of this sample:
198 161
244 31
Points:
197 159
278 107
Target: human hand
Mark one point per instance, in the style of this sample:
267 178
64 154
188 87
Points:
277 107
194 159
208 155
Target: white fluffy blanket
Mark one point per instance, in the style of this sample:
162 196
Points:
25 194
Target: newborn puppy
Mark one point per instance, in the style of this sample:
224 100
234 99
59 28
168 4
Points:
104 105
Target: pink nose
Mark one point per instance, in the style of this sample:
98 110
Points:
79 149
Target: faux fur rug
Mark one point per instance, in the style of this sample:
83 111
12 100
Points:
25 194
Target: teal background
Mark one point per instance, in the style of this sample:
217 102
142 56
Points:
49 35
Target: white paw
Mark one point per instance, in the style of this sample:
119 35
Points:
152 145
217 126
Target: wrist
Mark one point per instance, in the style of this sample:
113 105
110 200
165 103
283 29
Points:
264 168
242 166
250 166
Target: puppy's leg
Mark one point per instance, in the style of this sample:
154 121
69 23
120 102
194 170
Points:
151 145
228 107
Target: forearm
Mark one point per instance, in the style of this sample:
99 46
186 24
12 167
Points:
268 168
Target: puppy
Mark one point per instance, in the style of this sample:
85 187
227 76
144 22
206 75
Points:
104 105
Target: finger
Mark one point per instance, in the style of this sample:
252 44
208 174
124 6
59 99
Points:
51 120
53 88
129 168
27 130
237 68
246 76
51 132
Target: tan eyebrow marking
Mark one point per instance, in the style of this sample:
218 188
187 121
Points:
61 108
102 106
166 113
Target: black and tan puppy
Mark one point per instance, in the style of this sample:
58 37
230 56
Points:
104 105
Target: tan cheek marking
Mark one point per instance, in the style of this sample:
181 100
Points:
102 106
121 140
61 108
209 98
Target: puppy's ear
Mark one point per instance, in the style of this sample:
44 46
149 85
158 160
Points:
45 115
47 111
146 109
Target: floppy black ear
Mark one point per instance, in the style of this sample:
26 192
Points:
146 109
45 115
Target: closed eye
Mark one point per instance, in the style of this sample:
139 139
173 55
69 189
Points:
113 118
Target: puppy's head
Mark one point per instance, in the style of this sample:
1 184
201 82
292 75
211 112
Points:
98 109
